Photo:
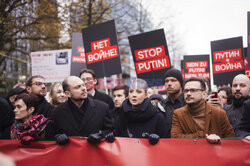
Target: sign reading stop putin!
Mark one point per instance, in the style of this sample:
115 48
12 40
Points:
227 56
101 49
150 56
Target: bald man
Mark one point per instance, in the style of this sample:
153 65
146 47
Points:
240 91
81 115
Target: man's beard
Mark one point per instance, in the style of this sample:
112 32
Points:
237 102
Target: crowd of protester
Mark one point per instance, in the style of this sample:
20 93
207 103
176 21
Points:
76 108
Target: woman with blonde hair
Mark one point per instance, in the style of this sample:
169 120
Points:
138 118
57 94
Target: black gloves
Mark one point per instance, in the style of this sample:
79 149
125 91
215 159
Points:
26 140
97 137
110 137
62 139
152 138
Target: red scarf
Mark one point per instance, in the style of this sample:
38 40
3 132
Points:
28 128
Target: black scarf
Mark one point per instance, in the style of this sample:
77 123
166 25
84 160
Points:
141 113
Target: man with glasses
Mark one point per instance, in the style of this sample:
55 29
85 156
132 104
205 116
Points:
36 85
198 119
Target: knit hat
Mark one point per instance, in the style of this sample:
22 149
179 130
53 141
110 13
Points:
174 73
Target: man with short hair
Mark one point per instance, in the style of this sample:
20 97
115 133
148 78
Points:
173 84
198 119
81 115
240 91
36 85
120 93
88 76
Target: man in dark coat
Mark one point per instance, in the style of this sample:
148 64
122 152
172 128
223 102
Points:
240 91
81 115
89 77
120 93
243 129
6 117
173 84
37 86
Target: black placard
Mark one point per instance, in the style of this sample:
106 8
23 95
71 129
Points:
248 39
196 66
150 55
227 60
101 49
78 61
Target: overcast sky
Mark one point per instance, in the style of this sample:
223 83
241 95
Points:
198 22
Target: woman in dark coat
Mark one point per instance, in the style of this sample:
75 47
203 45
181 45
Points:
28 127
138 118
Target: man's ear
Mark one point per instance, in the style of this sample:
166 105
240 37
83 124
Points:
28 88
31 110
95 81
67 93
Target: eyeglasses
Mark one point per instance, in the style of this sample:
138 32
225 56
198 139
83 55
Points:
192 90
39 83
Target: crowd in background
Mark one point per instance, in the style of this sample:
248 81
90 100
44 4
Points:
76 108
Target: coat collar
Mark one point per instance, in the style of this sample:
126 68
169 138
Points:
189 120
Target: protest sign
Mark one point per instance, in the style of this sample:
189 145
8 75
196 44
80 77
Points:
247 70
248 38
196 66
227 59
151 57
54 65
101 49
78 61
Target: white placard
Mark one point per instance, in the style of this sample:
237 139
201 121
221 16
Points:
53 65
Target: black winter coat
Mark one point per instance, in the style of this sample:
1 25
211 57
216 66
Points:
133 122
96 117
45 108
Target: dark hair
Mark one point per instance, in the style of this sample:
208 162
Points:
203 85
29 82
229 94
206 81
87 71
30 100
15 91
122 87
65 84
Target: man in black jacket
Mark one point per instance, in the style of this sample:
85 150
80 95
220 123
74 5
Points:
36 85
81 115
240 91
88 76
173 84
6 117
243 129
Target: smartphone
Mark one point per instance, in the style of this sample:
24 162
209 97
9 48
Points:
215 94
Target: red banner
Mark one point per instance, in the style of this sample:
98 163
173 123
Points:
127 151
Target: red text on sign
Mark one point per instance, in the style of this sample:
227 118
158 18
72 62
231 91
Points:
151 65
227 55
228 67
150 53
101 50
